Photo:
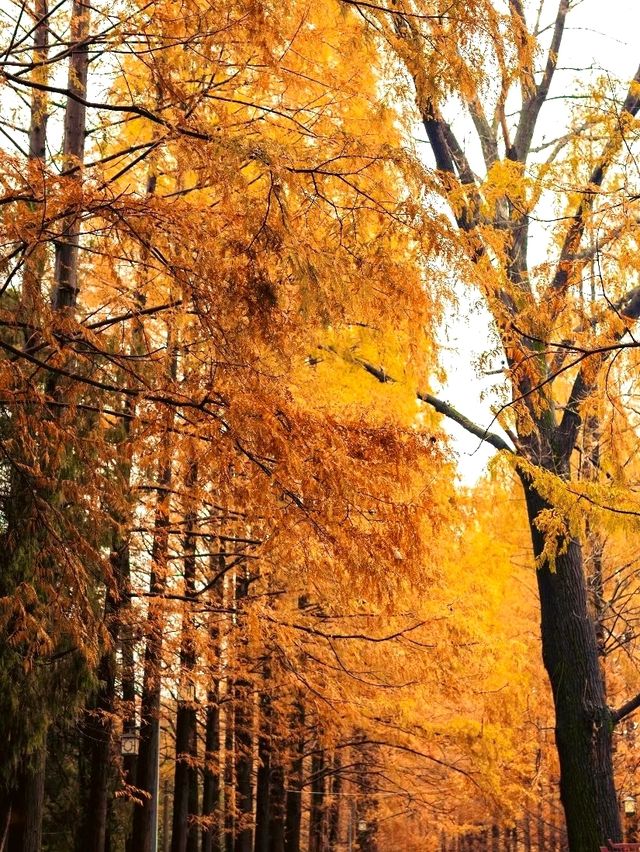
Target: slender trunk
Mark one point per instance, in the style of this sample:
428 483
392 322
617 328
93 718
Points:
149 741
583 720
185 796
66 262
229 770
21 809
263 785
96 730
277 805
366 807
211 783
495 838
166 810
243 736
316 816
293 821
334 810
36 256
212 788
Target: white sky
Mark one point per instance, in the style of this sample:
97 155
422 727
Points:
599 33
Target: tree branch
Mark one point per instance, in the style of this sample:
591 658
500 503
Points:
453 414
626 709
441 407
574 235
532 105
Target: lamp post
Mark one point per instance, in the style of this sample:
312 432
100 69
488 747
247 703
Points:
129 743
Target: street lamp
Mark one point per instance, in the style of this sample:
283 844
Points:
630 804
129 742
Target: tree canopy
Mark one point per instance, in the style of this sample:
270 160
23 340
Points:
246 602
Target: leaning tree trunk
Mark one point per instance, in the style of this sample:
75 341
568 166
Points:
584 722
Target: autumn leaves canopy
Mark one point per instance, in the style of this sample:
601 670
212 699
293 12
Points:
230 529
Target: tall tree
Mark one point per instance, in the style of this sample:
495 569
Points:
542 331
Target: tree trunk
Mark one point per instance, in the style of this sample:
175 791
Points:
293 821
243 725
229 770
277 803
185 789
213 758
66 261
540 838
495 838
184 836
27 807
583 720
96 730
526 834
211 782
263 786
316 815
334 809
149 741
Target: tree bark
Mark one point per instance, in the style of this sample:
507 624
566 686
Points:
334 808
277 805
211 783
27 806
149 740
583 720
213 757
243 725
185 789
293 821
263 785
66 260
316 815
96 730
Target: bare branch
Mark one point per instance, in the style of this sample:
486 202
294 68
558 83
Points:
441 407
533 104
626 709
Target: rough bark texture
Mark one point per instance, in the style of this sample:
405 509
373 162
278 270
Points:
97 731
583 719
334 807
26 809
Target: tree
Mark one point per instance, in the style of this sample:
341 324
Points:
544 330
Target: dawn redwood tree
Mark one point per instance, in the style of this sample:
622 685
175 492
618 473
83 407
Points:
556 347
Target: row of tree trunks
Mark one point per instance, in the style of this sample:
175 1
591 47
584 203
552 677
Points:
526 835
